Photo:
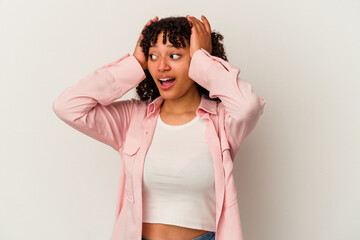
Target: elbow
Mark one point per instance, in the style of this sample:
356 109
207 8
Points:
246 110
254 109
250 115
58 108
252 104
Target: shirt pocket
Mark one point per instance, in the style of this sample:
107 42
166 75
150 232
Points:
131 148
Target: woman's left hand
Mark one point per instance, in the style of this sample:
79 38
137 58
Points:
200 34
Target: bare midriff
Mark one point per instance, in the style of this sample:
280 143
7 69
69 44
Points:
159 231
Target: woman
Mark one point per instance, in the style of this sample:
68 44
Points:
177 143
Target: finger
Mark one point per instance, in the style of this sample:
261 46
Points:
199 25
155 19
195 20
206 23
141 36
196 23
188 17
194 28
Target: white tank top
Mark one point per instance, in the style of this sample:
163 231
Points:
178 178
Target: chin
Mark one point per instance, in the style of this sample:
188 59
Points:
169 96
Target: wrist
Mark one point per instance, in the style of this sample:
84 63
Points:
142 64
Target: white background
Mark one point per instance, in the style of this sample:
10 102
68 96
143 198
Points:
297 174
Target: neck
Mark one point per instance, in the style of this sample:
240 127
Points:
187 103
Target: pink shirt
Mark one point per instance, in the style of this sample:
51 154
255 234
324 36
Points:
128 127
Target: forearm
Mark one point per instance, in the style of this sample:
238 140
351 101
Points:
242 105
104 86
89 106
221 80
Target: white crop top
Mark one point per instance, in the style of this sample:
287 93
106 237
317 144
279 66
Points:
178 178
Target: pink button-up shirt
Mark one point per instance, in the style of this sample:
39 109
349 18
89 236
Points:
128 127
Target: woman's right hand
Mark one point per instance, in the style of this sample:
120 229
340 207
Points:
138 53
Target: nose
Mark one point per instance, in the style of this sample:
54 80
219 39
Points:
163 65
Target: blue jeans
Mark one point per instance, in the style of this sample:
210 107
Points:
205 236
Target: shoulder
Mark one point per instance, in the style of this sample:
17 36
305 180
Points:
140 106
133 106
138 103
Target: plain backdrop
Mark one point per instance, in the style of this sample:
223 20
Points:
297 174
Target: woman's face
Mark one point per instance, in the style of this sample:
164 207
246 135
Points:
167 62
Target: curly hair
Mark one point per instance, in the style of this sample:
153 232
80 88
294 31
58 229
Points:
176 30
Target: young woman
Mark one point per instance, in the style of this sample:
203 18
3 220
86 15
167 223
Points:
178 140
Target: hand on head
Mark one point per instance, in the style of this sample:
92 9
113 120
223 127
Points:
138 53
200 34
200 38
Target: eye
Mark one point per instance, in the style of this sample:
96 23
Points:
152 56
175 56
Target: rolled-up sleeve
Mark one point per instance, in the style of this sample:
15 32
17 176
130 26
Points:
89 107
242 105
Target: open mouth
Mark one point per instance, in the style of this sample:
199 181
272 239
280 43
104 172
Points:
166 81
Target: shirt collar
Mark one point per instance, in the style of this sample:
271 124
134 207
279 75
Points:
206 104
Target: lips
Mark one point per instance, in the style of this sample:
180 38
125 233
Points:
164 77
166 81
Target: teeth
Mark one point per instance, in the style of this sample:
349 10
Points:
165 79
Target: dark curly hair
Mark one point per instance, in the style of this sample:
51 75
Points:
177 30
